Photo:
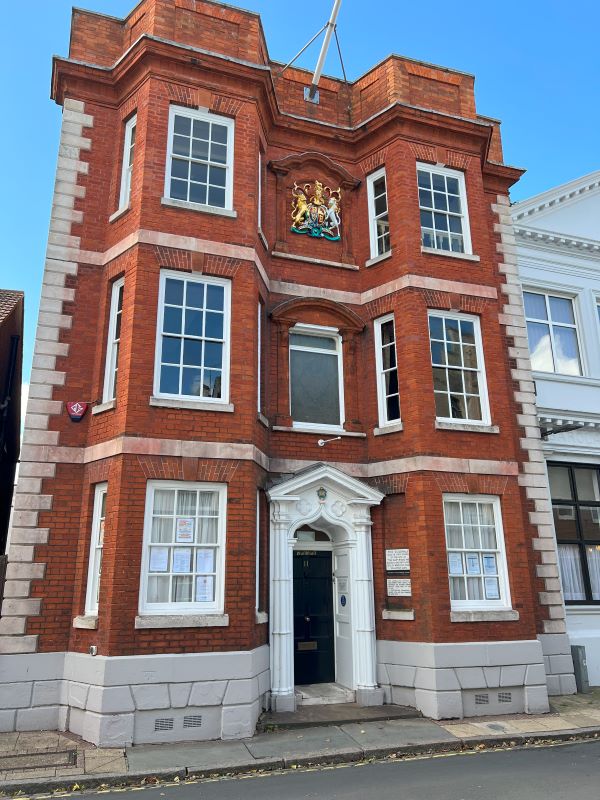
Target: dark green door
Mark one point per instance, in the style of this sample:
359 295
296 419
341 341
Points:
314 660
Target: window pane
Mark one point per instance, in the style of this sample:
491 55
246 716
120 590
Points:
457 589
393 408
213 355
535 305
180 168
216 196
314 388
438 182
436 327
162 529
593 559
164 501
454 536
564 522
560 486
194 294
214 326
423 179
169 380
193 322
219 133
197 193
200 149
191 383
172 320
199 173
586 483
474 408
561 310
590 522
171 350
158 589
192 352
440 380
567 351
452 513
173 292
540 347
212 383
183 125
201 129
215 297
186 503
442 406
316 342
570 572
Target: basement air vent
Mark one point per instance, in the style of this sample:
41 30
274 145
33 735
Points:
192 721
482 699
505 697
163 724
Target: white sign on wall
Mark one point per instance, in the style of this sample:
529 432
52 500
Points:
399 587
397 560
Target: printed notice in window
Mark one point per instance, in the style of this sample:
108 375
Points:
185 530
205 560
473 564
455 565
204 589
159 559
492 590
182 559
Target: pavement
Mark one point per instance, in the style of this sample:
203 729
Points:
44 762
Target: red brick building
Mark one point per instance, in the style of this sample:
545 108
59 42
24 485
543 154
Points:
311 451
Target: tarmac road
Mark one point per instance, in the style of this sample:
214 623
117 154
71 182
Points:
568 771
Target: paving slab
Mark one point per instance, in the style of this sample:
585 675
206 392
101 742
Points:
391 734
196 756
329 743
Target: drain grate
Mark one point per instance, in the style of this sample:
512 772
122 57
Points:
192 721
38 760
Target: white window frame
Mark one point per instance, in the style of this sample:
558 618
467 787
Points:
216 607
259 337
546 294
330 333
259 199
96 550
481 370
257 578
225 373
381 393
112 343
504 603
433 169
127 168
375 176
205 116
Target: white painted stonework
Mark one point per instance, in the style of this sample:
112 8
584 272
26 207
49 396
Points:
343 513
558 249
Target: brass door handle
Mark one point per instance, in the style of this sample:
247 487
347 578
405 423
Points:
306 619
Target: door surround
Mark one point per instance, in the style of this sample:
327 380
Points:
329 500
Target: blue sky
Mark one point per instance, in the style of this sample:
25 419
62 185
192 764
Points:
536 65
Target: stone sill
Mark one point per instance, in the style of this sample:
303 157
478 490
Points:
398 613
320 431
192 405
261 617
500 615
262 419
583 610
119 213
393 427
560 377
182 621
87 621
376 259
433 251
101 407
465 426
318 261
220 212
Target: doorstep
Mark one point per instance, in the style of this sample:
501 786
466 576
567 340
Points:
307 716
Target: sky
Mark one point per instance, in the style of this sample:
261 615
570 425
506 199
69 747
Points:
536 65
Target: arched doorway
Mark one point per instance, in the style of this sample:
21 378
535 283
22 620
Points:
325 514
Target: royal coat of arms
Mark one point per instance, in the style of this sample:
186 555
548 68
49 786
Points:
316 212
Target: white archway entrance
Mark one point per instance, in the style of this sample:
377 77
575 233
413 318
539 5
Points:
327 500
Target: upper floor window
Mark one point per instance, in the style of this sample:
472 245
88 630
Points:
114 340
388 395
475 551
183 562
379 223
459 383
96 549
127 168
552 333
316 376
575 491
200 158
443 208
192 347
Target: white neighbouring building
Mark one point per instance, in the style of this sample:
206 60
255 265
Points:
558 246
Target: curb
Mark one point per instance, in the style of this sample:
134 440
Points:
85 782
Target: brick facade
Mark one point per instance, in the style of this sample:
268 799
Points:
197 53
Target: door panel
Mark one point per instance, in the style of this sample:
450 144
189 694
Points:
343 620
314 660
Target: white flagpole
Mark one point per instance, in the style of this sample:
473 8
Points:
324 49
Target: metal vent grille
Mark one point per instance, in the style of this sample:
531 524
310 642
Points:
192 721
164 724
505 697
482 699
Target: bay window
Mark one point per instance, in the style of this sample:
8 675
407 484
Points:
183 561
388 395
192 351
475 551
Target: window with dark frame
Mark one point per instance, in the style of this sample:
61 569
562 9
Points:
575 492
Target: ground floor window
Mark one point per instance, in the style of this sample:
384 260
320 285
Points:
575 491
475 548
183 560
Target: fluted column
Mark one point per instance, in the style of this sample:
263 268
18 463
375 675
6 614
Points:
281 610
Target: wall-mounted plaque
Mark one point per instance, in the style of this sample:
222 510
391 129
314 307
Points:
399 587
397 560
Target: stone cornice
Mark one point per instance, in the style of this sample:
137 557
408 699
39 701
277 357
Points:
559 195
538 236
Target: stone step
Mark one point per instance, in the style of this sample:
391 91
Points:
332 714
321 694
